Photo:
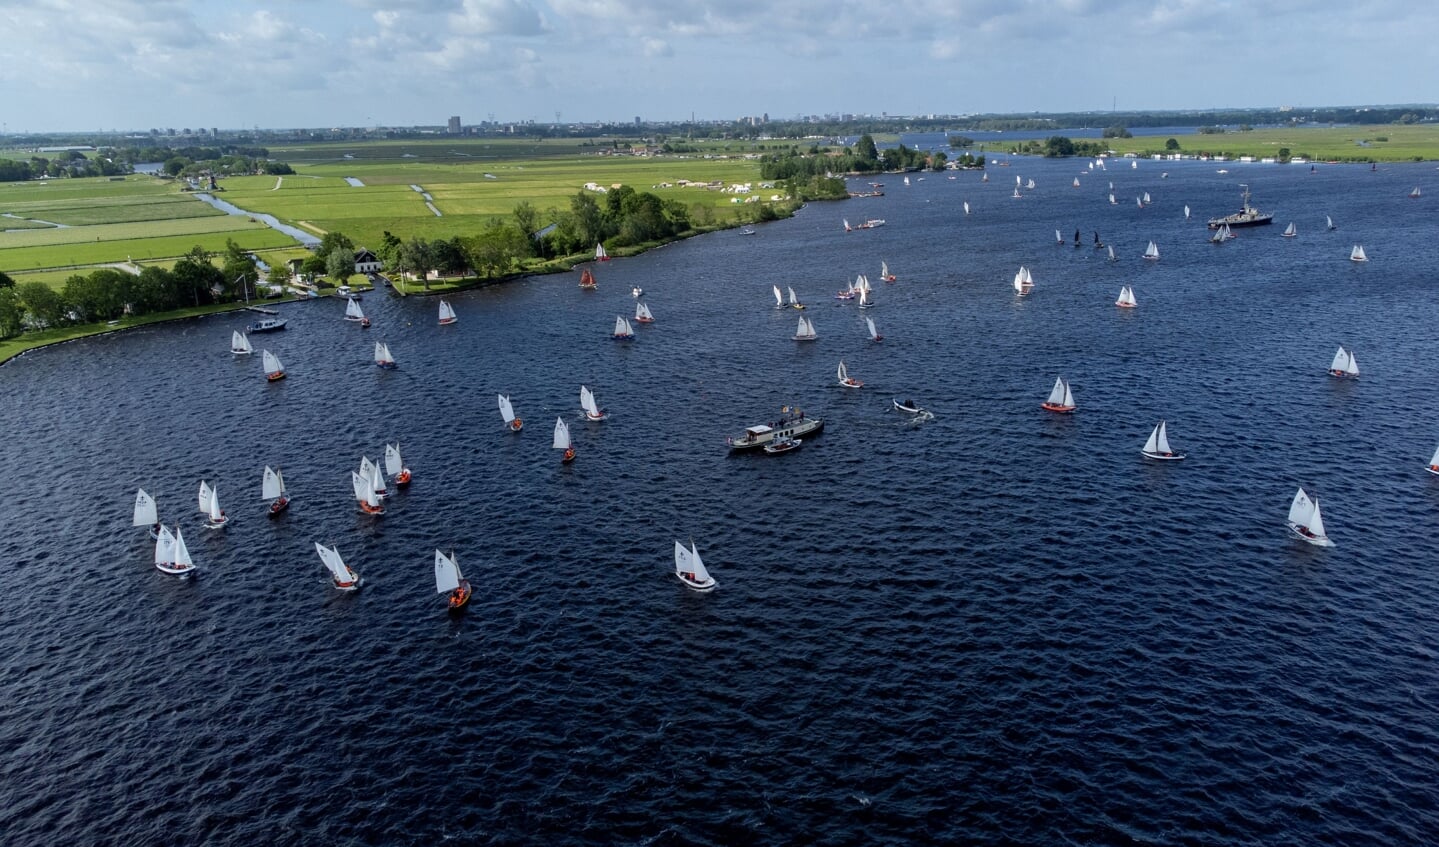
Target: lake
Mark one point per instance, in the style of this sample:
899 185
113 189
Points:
999 625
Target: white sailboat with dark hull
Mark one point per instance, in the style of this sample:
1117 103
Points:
272 488
1157 447
1306 522
690 569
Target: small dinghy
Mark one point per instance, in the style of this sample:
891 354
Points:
1157 447
845 379
508 413
341 576
1061 399
690 569
1306 522
449 580
909 407
272 488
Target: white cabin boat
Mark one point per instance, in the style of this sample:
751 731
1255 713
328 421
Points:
805 332
508 413
341 576
845 379
447 313
592 410
690 569
1126 298
449 580
1344 365
1061 399
1157 447
1306 522
240 344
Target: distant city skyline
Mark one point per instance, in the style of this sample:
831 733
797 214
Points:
127 65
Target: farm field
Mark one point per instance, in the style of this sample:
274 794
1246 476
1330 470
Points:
1402 142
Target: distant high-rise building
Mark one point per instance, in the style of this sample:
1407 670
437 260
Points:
454 127
637 120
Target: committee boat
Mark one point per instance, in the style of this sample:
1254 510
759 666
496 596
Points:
1246 216
792 423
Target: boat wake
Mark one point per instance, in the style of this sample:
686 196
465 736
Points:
919 418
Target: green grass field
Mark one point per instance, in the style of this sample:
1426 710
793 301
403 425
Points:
1318 143
255 237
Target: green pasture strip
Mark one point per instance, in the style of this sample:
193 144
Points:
1406 142
21 223
256 237
334 204
125 231
40 207
91 215
87 188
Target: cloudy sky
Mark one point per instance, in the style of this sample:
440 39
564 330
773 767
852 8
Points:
136 64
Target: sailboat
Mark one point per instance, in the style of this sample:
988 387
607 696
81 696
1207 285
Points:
623 330
1017 195
1151 252
171 554
371 471
364 488
1023 281
884 273
1112 257
778 298
562 440
273 369
1305 520
1217 237
240 344
966 203
864 301
1157 447
395 466
1138 202
1146 198
1434 463
1029 185
592 410
587 280
1344 365
873 333
1329 223
341 575
1186 213
1112 200
447 313
210 505
1414 195
1357 254
272 488
146 513
805 332
600 254
794 300
690 569
1059 238
1126 298
384 359
643 314
353 312
1290 231
1061 399
845 379
1076 182
449 580
508 413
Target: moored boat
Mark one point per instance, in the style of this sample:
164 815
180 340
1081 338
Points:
265 325
783 444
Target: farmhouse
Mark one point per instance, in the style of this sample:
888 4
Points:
366 262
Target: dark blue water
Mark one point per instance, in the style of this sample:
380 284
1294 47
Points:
998 626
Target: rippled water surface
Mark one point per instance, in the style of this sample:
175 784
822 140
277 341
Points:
998 625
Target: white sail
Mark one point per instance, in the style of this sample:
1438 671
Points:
1139 203
1357 254
1112 201
180 555
377 480
216 515
562 435
842 373
600 253
1300 509
682 560
1152 445
447 574
506 410
1058 237
1152 251
273 485
1161 435
334 564
966 203
1329 223
240 343
367 467
394 465
1112 257
884 270
1186 213
272 363
146 514
873 333
1068 395
587 402
805 331
447 312
697 566
382 353
778 297
793 300
642 312
1146 197
1059 394
1434 462
1316 522
206 495
353 311
1126 297
1029 184
164 547
621 327
1341 361
364 489
1290 231
1022 280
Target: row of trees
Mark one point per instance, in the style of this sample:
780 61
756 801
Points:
864 158
115 161
67 163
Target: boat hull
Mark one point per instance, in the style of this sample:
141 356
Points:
1055 407
1162 457
1304 535
909 410
776 447
792 428
367 509
693 585
851 383
448 321
275 377
174 570
278 506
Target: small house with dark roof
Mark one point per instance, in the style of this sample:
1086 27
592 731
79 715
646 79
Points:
367 262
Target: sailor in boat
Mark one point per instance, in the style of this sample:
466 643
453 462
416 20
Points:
516 425
278 505
569 455
1076 238
637 291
